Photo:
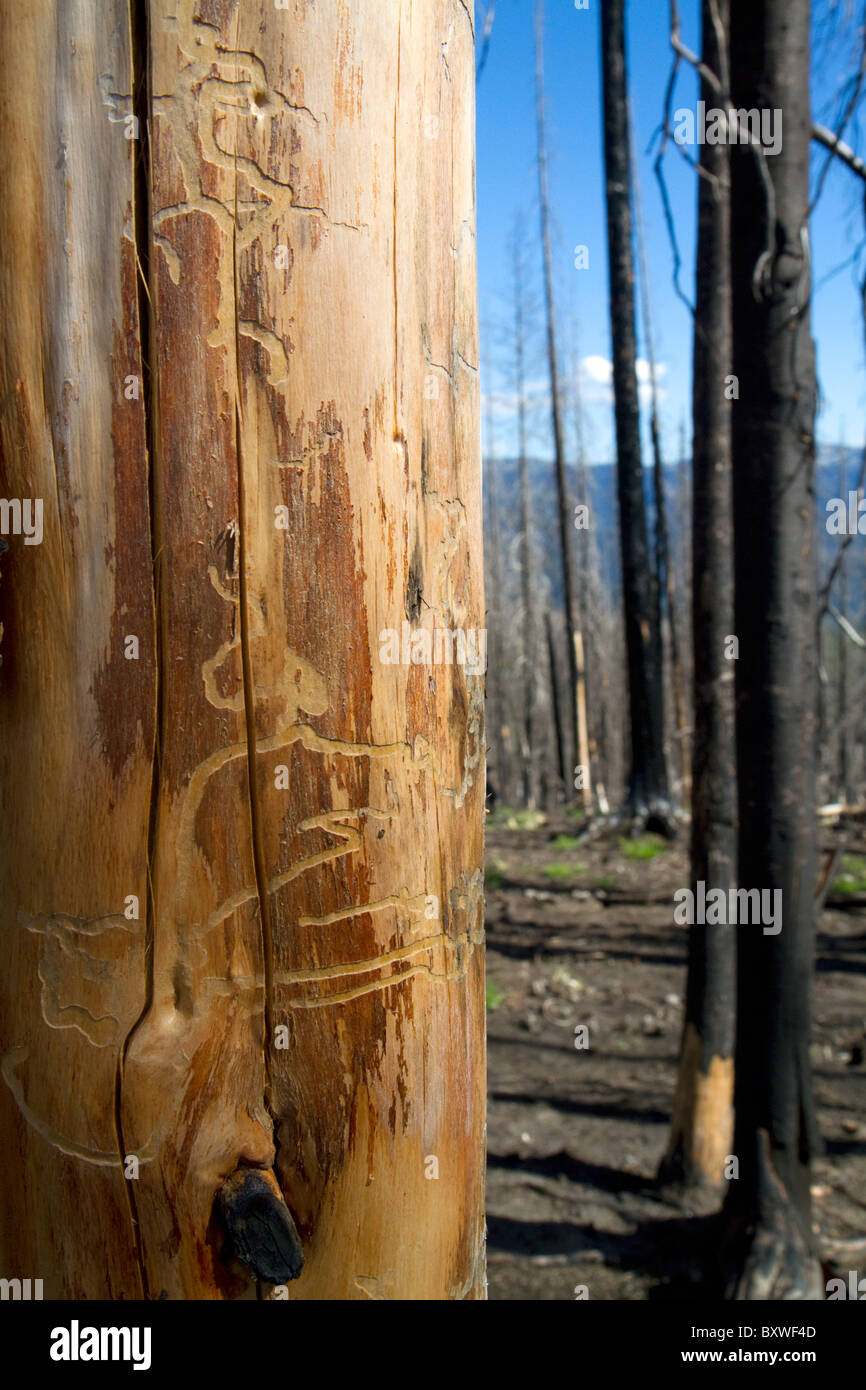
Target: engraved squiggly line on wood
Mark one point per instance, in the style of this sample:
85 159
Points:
346 970
400 901
203 100
311 696
102 1158
66 935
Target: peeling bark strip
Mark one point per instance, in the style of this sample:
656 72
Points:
282 256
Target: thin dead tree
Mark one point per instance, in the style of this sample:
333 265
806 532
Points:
844 740
497 674
589 710
647 800
486 33
559 786
664 584
837 579
702 1123
564 510
530 742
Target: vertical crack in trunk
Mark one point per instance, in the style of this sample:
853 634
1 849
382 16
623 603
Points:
397 434
249 704
139 21
255 808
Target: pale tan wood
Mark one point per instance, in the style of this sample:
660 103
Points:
313 347
582 729
77 718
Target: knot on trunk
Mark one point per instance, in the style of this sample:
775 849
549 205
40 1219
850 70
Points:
262 1233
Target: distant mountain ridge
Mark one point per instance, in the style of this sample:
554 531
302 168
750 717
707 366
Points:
601 497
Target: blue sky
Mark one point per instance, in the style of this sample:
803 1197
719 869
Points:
507 188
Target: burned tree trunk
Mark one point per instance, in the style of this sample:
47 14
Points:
565 516
663 589
773 468
702 1127
241 958
647 797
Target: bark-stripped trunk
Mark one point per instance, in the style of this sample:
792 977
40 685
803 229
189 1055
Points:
583 754
587 751
240 874
530 753
647 787
559 788
702 1127
773 463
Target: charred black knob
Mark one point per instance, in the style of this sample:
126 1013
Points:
260 1227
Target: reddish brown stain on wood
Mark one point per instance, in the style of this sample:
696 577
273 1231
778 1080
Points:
124 689
305 905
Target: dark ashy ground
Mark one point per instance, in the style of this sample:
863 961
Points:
583 934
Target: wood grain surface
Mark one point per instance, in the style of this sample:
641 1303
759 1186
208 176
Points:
240 366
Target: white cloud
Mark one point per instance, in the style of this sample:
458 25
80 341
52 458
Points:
596 369
595 377
503 404
644 373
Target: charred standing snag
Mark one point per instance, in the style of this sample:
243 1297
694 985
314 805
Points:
575 737
769 1208
647 800
702 1123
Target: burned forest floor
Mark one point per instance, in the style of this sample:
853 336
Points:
582 934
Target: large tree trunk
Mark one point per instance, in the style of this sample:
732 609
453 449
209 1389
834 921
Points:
773 460
702 1128
648 786
240 874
